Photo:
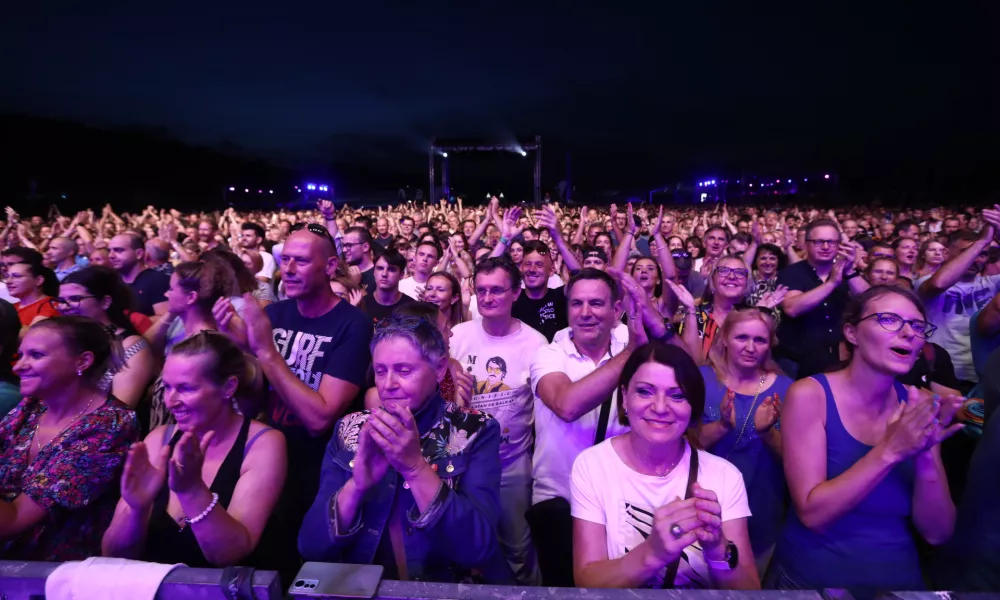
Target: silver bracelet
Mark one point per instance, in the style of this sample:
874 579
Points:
204 513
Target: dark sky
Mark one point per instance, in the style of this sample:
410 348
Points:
645 85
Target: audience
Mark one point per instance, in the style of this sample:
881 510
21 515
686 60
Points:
519 429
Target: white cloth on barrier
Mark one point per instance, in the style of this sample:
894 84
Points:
106 578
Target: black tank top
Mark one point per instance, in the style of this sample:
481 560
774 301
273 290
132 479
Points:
166 542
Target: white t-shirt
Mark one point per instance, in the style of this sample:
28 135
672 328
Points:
607 492
951 312
269 266
409 287
501 367
558 443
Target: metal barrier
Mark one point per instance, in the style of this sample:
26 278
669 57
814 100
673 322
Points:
26 581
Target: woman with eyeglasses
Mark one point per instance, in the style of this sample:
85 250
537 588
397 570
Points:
743 392
417 466
862 459
100 294
63 447
727 288
33 285
201 491
649 509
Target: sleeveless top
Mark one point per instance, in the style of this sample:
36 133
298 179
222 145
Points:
871 547
166 542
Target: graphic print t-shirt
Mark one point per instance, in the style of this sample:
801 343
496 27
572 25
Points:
546 315
951 312
607 492
334 344
501 368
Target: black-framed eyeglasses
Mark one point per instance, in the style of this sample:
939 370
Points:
72 301
893 322
824 243
738 273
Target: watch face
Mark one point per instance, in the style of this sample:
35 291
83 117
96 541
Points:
732 555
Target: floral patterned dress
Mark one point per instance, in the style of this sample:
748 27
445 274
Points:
75 478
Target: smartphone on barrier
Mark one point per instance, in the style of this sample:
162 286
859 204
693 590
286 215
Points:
334 580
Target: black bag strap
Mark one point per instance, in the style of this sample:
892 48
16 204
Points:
668 578
237 583
602 420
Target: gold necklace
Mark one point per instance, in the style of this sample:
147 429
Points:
38 444
651 468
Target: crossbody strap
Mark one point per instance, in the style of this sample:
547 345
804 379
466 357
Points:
668 578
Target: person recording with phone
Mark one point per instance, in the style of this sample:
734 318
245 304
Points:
414 484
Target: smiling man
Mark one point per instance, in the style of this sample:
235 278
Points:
497 351
542 308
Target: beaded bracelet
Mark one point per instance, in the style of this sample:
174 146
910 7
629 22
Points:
204 513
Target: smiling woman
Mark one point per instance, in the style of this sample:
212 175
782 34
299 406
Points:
631 528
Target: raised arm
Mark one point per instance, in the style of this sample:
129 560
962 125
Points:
952 271
546 218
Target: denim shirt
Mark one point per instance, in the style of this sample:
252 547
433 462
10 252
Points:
457 532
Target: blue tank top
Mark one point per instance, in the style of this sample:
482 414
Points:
867 550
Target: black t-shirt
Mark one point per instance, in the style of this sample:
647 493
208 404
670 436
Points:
377 311
149 288
546 315
812 339
383 243
933 366
368 280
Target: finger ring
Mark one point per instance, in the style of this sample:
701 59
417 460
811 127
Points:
676 531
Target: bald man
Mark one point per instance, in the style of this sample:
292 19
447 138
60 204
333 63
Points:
313 349
62 255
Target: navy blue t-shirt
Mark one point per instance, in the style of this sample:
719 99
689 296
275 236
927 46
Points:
149 288
334 344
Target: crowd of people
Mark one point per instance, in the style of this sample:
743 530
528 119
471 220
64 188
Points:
627 396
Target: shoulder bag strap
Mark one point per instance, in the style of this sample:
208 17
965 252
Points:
668 578
602 420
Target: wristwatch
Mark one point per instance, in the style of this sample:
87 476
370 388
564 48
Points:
732 559
851 276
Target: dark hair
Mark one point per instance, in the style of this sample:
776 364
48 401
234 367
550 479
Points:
210 279
688 375
365 221
406 218
492 263
25 255
10 328
657 290
257 229
421 310
105 282
772 249
697 244
856 307
903 225
896 243
457 309
50 283
366 236
136 240
724 231
743 237
80 335
817 223
536 246
962 235
224 359
591 274
432 243
393 259
246 281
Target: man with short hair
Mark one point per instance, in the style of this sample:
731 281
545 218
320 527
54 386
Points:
382 300
950 226
716 242
497 351
426 257
383 239
313 351
356 245
575 379
127 255
818 290
541 307
62 256
406 226
158 256
252 238
207 230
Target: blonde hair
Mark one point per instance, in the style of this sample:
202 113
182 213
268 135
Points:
717 354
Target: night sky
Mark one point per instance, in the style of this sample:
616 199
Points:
636 89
